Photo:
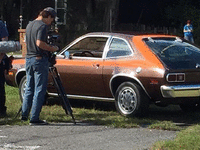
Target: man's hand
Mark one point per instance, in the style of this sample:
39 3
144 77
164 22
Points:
56 48
4 38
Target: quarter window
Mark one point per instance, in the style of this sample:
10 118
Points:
118 47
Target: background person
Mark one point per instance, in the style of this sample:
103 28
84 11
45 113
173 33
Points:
188 29
37 65
4 67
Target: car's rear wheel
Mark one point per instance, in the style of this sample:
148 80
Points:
131 100
22 87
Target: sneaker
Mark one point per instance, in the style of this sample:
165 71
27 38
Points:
23 119
38 122
3 114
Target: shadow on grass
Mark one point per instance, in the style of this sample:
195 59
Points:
175 114
171 113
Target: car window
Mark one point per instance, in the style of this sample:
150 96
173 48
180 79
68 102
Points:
118 47
89 47
175 53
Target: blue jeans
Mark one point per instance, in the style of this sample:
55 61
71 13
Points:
189 38
37 77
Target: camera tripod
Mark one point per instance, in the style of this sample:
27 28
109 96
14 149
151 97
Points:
61 93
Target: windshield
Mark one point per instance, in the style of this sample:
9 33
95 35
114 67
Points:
175 53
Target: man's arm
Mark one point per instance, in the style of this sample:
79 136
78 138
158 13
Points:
188 29
4 38
43 45
2 54
185 29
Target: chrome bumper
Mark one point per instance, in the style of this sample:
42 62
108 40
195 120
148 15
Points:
180 91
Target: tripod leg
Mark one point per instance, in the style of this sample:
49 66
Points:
18 112
61 92
65 102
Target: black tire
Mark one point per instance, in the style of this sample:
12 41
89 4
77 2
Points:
22 86
131 100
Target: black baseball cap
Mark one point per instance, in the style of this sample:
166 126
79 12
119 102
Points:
52 11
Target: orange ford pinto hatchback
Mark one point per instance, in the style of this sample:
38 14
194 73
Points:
131 70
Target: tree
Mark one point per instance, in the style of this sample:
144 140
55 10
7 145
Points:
180 12
88 16
9 13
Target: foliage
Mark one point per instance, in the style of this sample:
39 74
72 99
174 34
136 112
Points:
178 13
94 15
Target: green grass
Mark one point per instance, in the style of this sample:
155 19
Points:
164 125
187 139
99 113
94 113
55 113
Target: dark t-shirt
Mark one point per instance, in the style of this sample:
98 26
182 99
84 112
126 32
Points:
35 30
3 30
4 64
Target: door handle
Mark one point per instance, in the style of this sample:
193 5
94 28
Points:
96 66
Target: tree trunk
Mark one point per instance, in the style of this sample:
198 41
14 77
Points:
111 15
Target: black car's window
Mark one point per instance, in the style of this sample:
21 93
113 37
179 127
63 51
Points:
118 47
89 47
174 52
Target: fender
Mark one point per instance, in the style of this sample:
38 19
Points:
131 76
17 74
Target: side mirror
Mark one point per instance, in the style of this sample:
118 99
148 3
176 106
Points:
67 55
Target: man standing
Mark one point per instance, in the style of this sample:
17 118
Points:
4 65
188 29
37 65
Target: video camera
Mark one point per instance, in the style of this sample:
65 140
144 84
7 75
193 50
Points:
52 39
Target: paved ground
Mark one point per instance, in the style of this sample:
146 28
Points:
82 136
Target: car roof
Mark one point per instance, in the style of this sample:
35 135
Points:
129 34
109 34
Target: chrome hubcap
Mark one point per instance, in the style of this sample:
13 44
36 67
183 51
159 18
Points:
127 100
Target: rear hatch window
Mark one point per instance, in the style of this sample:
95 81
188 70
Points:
175 53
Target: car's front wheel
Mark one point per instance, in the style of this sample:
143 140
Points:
22 87
131 100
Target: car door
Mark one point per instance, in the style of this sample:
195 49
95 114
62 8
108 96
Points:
82 74
118 54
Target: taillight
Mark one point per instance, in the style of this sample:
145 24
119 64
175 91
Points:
175 77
